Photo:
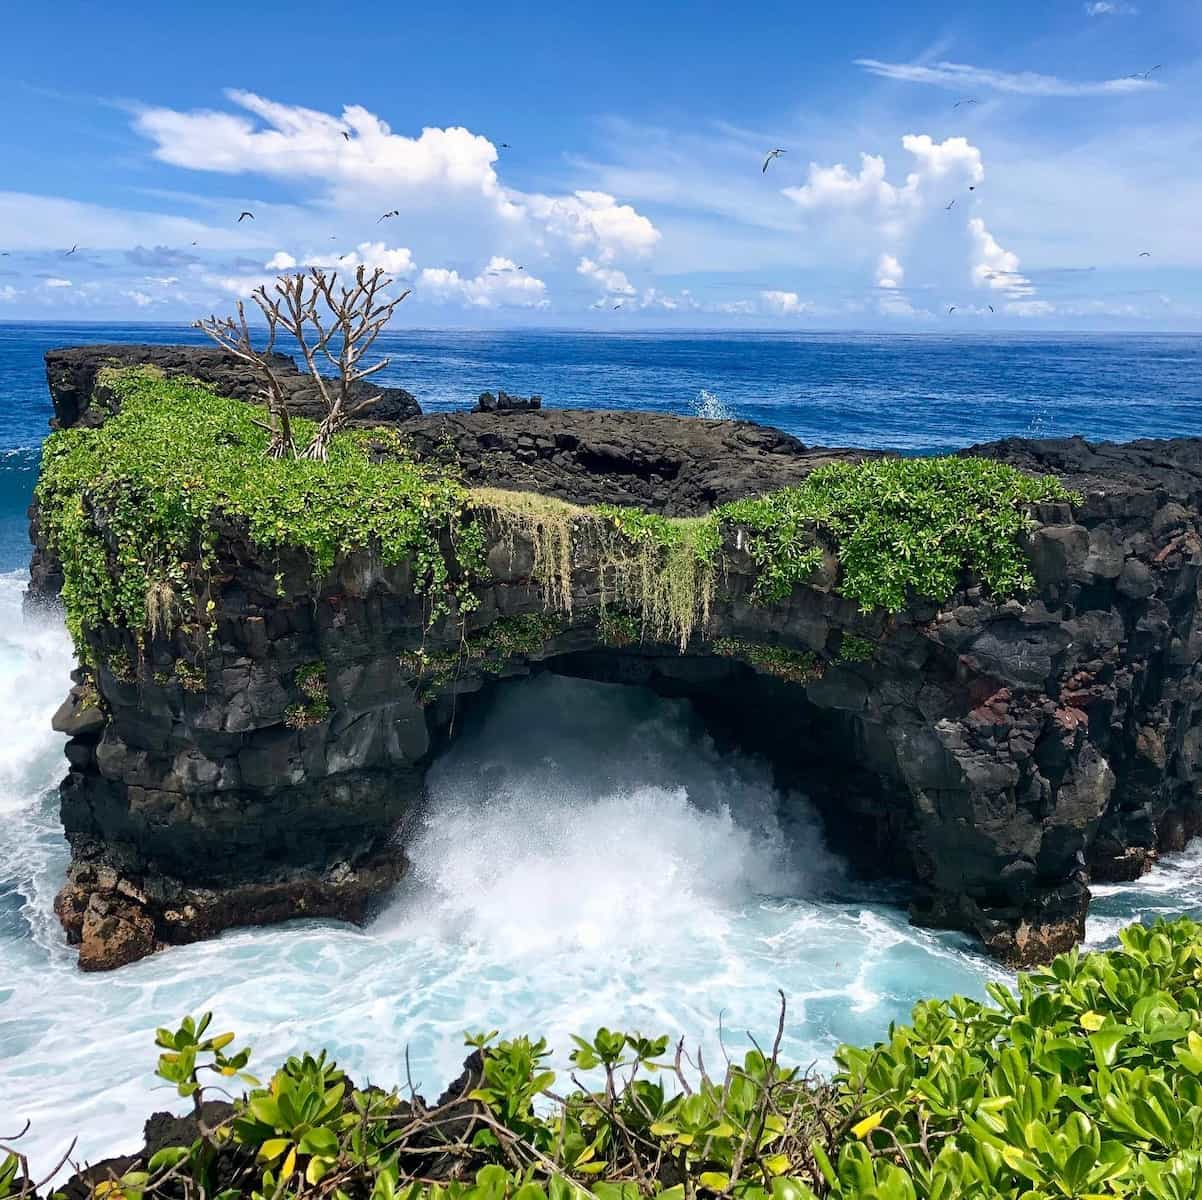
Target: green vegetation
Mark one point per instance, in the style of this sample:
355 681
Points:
489 650
797 666
901 525
617 628
853 648
315 707
130 508
1085 1081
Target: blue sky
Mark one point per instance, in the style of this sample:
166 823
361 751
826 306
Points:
1010 160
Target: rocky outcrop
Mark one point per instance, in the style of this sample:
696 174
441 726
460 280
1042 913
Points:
500 401
71 374
678 466
999 756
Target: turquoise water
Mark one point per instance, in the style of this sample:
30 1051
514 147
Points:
587 856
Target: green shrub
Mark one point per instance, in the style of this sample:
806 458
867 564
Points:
900 525
796 666
130 507
1083 1081
853 648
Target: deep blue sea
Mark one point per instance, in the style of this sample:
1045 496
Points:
919 393
656 888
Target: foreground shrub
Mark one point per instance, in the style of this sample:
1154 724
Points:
1085 1081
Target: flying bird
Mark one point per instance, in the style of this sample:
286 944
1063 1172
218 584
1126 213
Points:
771 155
396 212
71 251
243 215
506 146
1145 254
618 305
195 243
1145 74
345 134
949 206
966 100
951 309
990 307
972 187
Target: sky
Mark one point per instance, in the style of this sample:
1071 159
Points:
1033 164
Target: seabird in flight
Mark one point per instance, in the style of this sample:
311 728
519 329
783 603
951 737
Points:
771 155
243 215
966 100
949 206
71 251
396 212
1145 254
951 309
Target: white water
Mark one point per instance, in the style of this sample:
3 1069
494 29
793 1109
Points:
587 858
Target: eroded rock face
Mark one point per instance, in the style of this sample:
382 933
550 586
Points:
999 756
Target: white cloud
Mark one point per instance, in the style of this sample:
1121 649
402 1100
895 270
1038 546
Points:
963 77
612 280
1107 8
58 283
376 168
142 299
596 218
8 293
394 260
785 303
834 188
280 261
994 266
889 272
501 284
162 280
295 142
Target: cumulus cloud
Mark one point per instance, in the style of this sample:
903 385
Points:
375 166
58 283
290 141
963 77
834 188
596 218
142 299
501 284
889 272
785 304
994 266
613 281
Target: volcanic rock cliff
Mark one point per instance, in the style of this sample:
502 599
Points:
997 755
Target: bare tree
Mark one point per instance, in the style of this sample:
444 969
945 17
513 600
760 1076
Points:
328 321
233 336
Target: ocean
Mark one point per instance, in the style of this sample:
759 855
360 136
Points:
658 889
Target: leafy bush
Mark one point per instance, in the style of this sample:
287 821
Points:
130 507
1085 1081
900 525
